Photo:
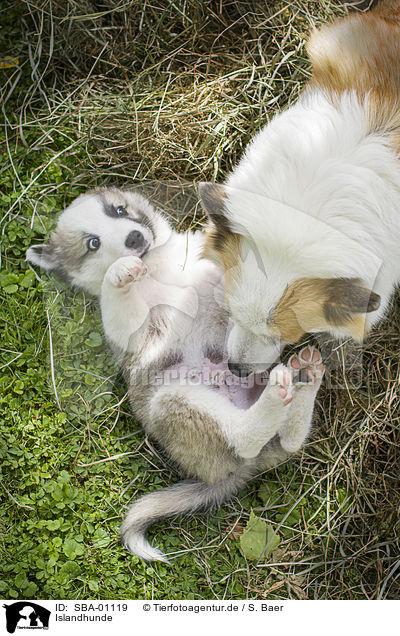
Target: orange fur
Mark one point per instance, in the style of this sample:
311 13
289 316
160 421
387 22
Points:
362 53
227 254
312 303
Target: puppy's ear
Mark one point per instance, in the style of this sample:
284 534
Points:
348 296
42 255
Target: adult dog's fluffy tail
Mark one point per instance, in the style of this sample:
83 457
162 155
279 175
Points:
360 52
184 497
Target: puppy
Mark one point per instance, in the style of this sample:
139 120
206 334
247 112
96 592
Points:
307 227
164 318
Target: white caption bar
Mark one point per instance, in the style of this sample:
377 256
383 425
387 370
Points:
179 617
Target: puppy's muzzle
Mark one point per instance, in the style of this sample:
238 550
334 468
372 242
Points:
136 242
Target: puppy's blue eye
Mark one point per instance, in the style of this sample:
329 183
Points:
93 244
121 211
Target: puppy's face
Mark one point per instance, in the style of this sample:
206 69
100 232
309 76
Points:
274 296
95 230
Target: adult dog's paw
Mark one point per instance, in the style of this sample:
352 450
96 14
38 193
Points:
126 270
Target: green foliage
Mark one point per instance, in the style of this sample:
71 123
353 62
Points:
258 539
253 541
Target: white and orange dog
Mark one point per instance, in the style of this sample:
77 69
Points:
307 227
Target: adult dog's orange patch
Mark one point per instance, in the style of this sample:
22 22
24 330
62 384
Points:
316 303
224 251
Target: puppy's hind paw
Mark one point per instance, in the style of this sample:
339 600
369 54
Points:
125 270
307 366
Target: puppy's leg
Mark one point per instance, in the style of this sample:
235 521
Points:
244 431
256 426
308 369
123 309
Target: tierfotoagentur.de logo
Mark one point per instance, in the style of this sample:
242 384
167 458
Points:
26 615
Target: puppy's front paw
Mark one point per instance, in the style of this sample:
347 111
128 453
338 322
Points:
125 270
281 377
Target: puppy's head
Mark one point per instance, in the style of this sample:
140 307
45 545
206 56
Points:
95 230
273 291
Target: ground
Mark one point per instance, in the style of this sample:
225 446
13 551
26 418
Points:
101 92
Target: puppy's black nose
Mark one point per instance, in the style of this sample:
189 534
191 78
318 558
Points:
135 240
238 370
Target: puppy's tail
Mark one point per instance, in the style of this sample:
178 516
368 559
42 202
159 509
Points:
184 497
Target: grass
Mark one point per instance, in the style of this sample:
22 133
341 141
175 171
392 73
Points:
163 94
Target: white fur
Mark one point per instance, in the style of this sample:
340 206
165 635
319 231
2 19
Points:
315 195
138 544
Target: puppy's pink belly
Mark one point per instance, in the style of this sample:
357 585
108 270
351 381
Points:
242 392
